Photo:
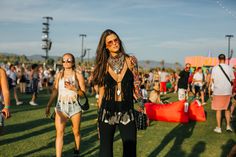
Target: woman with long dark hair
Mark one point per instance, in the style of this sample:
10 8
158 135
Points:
116 75
68 84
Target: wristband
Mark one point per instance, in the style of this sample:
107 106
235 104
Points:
8 106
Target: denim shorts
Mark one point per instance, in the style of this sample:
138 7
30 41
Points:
68 109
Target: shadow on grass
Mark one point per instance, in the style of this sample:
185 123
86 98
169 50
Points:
165 98
179 134
227 147
23 108
25 136
20 127
89 144
68 139
198 149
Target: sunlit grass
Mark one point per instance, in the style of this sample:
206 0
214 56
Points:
29 133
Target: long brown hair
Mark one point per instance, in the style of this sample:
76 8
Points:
102 55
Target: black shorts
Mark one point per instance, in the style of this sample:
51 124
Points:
35 85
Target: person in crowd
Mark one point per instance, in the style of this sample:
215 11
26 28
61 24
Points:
12 82
154 95
208 82
233 98
198 82
163 80
222 92
144 94
190 81
182 83
46 74
174 80
22 80
116 74
68 84
5 95
34 80
151 77
51 79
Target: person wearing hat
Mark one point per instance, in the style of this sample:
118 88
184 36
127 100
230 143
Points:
154 96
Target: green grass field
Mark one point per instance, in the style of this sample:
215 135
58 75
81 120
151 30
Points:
29 133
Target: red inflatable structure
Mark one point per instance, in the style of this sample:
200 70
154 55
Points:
176 112
172 112
196 112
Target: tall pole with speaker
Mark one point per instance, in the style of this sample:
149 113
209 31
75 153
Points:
47 43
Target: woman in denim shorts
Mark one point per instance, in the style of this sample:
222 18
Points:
68 84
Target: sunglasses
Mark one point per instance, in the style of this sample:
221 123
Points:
111 42
68 60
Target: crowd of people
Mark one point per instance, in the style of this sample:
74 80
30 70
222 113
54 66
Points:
116 82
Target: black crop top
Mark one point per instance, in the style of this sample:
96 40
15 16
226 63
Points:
113 111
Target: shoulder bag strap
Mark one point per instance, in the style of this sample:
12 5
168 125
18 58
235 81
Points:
225 74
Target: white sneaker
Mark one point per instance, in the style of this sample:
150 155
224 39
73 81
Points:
229 129
218 130
19 103
164 92
33 103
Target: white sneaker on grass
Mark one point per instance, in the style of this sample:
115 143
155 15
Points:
229 129
218 130
33 103
19 103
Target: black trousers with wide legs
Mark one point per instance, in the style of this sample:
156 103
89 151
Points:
128 135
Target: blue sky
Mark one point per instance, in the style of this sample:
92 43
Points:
150 29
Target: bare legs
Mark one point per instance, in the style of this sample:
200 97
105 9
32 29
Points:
76 129
218 118
60 123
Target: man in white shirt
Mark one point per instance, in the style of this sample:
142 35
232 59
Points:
163 80
198 81
222 91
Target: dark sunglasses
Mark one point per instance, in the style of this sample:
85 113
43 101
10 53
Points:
111 42
69 60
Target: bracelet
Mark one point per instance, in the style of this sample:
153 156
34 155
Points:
8 106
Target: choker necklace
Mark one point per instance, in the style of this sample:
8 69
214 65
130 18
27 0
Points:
117 62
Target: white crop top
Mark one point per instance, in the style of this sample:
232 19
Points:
66 96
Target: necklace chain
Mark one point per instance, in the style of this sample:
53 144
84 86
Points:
116 63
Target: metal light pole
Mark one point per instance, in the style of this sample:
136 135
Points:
82 47
47 43
88 53
229 37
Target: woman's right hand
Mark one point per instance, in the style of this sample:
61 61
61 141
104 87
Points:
47 111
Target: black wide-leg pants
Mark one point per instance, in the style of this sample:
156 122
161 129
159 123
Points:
128 135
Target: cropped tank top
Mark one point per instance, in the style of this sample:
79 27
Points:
66 96
115 112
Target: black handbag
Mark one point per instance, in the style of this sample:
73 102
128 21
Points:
84 105
140 120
